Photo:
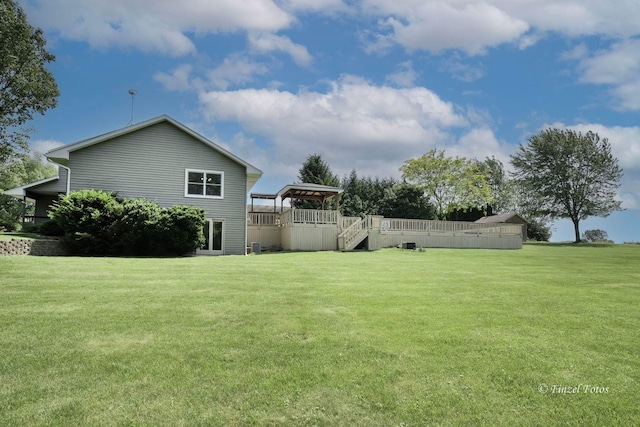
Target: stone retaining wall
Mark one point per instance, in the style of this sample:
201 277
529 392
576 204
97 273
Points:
32 247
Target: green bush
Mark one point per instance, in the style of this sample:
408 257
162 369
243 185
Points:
137 230
538 231
87 218
182 229
596 236
102 223
50 228
29 227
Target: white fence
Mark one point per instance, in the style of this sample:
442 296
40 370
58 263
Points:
448 227
308 229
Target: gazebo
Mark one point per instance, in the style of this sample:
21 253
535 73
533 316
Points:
303 191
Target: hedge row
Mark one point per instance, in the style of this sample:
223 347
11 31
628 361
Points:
102 223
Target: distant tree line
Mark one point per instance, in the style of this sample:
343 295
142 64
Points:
558 174
365 195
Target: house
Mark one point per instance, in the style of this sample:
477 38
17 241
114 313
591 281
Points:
506 218
161 160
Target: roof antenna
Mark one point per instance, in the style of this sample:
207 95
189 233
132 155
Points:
133 94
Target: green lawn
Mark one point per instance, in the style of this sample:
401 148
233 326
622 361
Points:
388 338
11 236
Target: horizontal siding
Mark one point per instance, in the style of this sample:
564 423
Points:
150 163
57 186
309 237
267 235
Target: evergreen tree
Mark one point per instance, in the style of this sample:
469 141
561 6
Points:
315 171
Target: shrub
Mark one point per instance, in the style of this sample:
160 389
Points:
596 236
181 228
102 223
87 218
50 228
538 231
29 227
137 228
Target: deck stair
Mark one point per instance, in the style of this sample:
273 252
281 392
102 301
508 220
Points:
353 235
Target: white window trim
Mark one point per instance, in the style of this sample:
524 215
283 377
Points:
203 196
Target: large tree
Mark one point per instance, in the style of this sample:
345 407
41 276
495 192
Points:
26 85
499 183
363 195
315 171
450 182
568 174
405 200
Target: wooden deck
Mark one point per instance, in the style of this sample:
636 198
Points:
317 230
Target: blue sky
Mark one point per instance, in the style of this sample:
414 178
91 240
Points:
366 84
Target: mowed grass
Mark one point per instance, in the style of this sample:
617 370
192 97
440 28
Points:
17 235
547 335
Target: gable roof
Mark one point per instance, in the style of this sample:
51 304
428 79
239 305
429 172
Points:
60 155
307 191
22 190
502 218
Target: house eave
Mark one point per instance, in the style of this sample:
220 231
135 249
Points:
60 155
22 190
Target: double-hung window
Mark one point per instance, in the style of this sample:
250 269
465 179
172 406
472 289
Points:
201 183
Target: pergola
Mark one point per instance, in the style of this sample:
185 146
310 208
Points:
303 191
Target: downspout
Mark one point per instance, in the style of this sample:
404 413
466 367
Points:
68 189
246 226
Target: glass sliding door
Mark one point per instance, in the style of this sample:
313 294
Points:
213 237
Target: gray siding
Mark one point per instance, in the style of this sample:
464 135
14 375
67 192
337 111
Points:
57 186
46 194
150 163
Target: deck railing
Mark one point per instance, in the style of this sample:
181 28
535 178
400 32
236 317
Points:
309 216
430 226
348 221
313 216
34 219
261 218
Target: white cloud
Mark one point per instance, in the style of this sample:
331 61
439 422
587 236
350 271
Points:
324 6
353 125
472 27
267 43
475 25
153 25
577 18
619 67
178 80
234 70
577 53
460 70
44 145
480 143
405 76
435 26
